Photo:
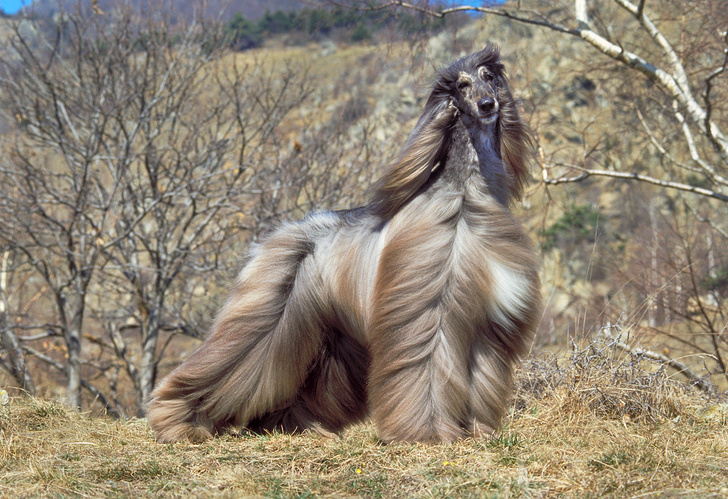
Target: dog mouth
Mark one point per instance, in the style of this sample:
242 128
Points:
482 119
488 118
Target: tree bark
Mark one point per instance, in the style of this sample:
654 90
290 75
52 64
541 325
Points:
75 360
148 365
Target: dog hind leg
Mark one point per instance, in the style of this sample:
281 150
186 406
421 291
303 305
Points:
260 348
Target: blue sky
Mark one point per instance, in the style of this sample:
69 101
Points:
12 6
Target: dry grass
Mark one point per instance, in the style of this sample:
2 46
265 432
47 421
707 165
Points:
584 426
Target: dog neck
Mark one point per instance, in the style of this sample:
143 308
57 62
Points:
479 147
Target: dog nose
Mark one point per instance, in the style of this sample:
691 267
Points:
486 104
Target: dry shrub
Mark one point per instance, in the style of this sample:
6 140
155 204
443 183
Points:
603 381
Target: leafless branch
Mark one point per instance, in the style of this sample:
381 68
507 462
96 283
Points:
587 172
708 88
637 351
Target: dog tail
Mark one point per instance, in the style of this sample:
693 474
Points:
258 351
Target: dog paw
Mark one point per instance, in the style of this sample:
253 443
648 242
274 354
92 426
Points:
183 432
481 430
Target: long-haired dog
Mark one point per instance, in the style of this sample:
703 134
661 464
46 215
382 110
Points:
413 308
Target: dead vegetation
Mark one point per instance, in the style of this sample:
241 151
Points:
595 422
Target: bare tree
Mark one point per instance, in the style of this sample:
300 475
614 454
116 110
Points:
57 202
14 360
146 156
124 168
197 166
685 295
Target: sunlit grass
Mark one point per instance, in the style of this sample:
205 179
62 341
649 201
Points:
587 425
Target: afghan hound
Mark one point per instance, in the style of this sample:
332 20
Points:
412 309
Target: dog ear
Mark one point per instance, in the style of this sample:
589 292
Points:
516 143
419 157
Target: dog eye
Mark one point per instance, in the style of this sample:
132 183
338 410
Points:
462 84
485 75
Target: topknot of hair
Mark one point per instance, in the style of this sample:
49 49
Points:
446 77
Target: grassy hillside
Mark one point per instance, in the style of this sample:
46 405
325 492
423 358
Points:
594 424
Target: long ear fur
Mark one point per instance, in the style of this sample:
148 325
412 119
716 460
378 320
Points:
421 153
516 141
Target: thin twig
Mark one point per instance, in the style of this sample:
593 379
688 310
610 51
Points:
680 367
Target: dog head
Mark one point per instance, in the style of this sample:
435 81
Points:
475 91
475 85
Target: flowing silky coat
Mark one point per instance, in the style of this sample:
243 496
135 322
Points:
413 308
